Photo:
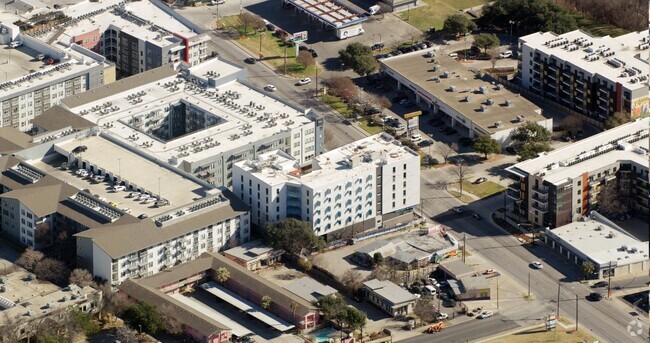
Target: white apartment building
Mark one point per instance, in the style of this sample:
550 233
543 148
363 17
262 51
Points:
373 182
200 119
38 76
594 76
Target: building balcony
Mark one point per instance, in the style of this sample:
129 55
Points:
541 208
514 195
543 198
541 190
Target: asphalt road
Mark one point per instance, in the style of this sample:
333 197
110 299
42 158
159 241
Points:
606 319
469 331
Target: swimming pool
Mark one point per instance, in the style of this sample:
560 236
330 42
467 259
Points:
322 336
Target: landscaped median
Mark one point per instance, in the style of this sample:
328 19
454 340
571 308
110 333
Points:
477 191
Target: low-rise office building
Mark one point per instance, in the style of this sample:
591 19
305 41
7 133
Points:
373 182
38 76
389 297
201 119
254 255
563 185
474 105
594 76
596 240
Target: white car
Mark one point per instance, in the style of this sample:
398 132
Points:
218 2
144 196
485 314
304 81
270 88
537 265
118 188
417 296
434 282
416 138
126 210
505 54
443 316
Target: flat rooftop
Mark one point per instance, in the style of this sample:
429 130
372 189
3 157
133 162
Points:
343 163
330 12
137 170
246 114
390 291
628 142
601 241
632 49
505 106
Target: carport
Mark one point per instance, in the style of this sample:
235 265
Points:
235 328
247 307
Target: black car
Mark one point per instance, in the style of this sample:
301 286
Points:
314 54
425 142
451 131
373 110
396 52
444 296
250 60
511 150
449 303
377 46
302 48
271 27
600 284
595 296
477 216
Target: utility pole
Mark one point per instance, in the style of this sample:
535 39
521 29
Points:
464 247
557 316
285 58
529 285
505 204
261 35
316 67
497 292
576 312
609 280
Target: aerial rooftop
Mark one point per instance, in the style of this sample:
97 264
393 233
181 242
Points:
601 241
338 164
628 142
452 83
136 111
622 59
332 13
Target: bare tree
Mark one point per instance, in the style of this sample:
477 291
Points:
414 35
343 87
424 310
10 329
572 123
352 280
172 325
386 271
445 150
305 58
113 303
81 277
462 174
610 200
251 20
29 259
52 270
127 335
494 57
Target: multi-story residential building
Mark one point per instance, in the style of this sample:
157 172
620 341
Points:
137 36
370 183
594 76
38 76
475 106
200 120
561 186
65 187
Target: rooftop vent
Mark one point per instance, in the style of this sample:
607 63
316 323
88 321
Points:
483 90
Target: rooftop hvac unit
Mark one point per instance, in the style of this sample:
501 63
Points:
468 98
483 90
490 101
484 108
508 103
447 74
452 88
498 124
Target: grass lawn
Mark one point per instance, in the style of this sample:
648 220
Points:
272 50
541 335
598 29
433 12
336 104
466 199
371 129
483 190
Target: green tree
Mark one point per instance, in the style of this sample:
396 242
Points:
377 259
305 264
531 132
530 150
616 119
85 322
144 315
331 306
458 24
266 302
305 58
293 236
527 16
223 275
486 41
352 318
588 269
359 57
486 145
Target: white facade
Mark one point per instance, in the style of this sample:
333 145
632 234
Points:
356 186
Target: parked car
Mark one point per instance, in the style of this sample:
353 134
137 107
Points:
443 316
480 180
271 27
143 216
429 290
449 303
458 209
595 296
600 284
485 314
270 88
405 103
425 143
537 265
477 216
465 141
511 150
377 46
303 48
399 126
443 296
304 81
396 52
313 52
505 54
416 138
126 210
250 60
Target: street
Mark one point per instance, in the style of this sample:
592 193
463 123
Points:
470 331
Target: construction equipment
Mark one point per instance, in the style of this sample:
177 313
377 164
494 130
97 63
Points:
437 327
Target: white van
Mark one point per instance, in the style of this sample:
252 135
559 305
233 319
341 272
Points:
429 290
15 44
373 10
453 55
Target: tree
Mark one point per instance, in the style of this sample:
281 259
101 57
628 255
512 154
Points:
9 330
251 20
530 150
458 24
486 145
424 310
359 57
143 315
531 132
386 271
462 174
29 259
343 87
52 270
377 259
305 58
352 318
51 339
81 277
610 200
266 302
588 269
352 280
305 264
223 275
494 57
113 303
527 16
84 322
572 123
486 41
331 306
445 150
293 236
171 325
127 335
616 119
